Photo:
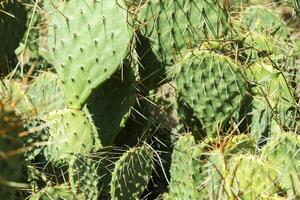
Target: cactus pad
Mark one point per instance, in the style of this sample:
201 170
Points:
176 26
131 174
212 85
282 151
251 176
88 40
71 133
45 93
185 170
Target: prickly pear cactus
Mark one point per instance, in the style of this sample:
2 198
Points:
71 133
131 174
149 99
212 85
252 176
266 36
185 169
271 86
263 20
174 27
88 41
282 151
86 178
215 172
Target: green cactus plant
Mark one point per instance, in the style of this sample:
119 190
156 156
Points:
272 90
185 169
131 174
282 151
212 85
174 27
86 177
92 49
149 99
71 133
251 176
45 93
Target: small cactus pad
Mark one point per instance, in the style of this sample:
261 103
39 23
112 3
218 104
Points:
212 85
174 26
71 133
251 176
270 85
263 20
45 93
111 104
86 177
131 174
282 151
215 173
185 170
88 40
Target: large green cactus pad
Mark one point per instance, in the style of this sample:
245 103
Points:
212 85
174 26
88 41
131 174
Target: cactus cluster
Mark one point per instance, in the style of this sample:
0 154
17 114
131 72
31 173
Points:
149 99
